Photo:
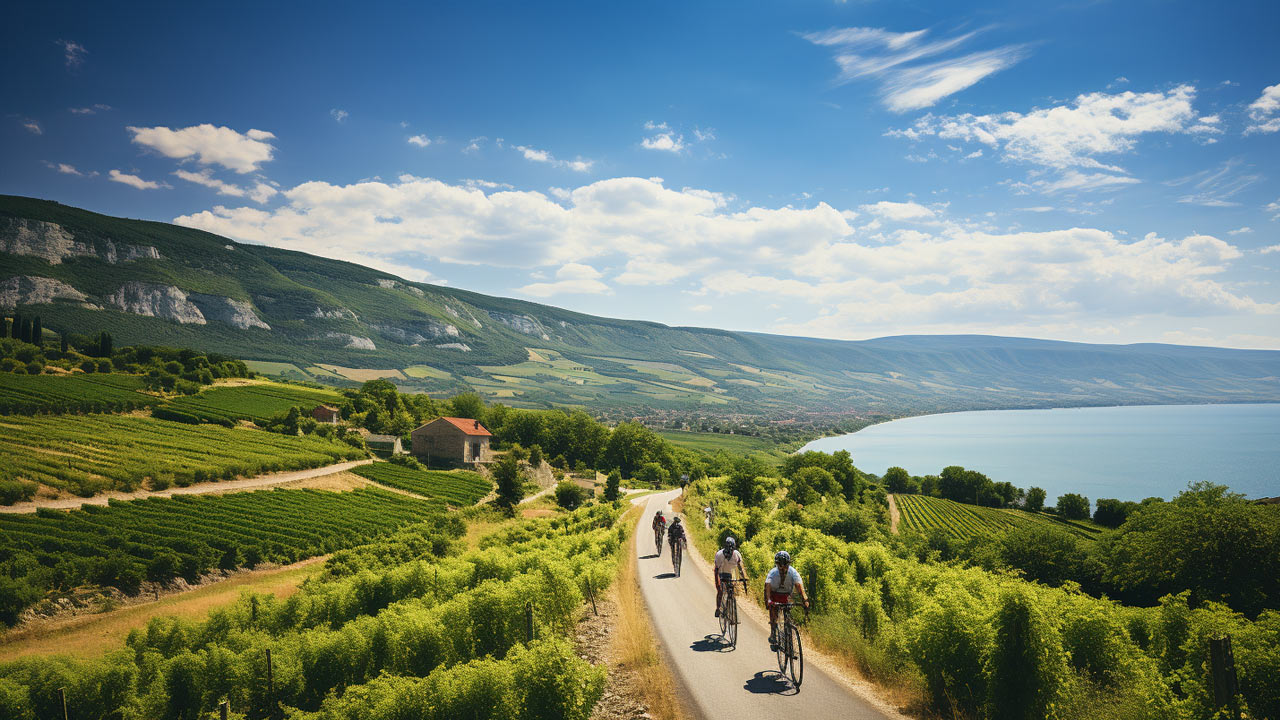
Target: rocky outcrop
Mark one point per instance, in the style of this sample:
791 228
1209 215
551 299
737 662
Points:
340 313
390 284
354 342
153 300
30 290
521 324
455 346
236 313
459 313
53 243
419 332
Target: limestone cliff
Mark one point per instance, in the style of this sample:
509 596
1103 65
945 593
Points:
30 290
53 243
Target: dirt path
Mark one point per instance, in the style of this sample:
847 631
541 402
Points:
91 635
893 514
258 481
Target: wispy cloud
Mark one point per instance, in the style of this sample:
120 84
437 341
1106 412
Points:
89 109
1265 112
533 154
67 169
73 52
1216 187
892 58
664 138
33 127
419 140
1240 231
339 115
135 181
571 279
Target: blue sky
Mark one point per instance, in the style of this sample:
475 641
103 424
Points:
1094 171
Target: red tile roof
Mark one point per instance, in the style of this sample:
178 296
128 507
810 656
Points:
468 426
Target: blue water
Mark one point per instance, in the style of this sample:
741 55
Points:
1128 453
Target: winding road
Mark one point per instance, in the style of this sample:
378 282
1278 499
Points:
722 682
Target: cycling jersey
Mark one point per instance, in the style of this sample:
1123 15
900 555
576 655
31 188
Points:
725 566
675 533
659 522
782 585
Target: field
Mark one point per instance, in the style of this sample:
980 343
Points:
92 453
458 488
188 535
762 449
250 402
921 513
77 392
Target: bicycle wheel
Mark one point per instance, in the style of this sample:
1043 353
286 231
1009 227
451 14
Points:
795 659
732 614
781 642
724 614
676 556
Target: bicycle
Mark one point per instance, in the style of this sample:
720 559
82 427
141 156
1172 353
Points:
677 555
790 652
729 610
657 539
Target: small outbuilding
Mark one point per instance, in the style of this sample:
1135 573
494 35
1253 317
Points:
452 440
326 414
384 445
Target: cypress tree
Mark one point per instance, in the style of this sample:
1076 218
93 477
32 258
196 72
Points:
63 342
15 330
26 330
37 331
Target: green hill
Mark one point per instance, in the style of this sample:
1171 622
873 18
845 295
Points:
306 316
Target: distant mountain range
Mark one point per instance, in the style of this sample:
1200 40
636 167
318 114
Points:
309 317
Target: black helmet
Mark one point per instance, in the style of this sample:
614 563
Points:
782 556
676 521
659 513
730 544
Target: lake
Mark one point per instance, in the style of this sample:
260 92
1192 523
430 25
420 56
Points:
1128 453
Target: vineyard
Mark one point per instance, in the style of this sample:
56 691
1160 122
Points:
226 405
89 454
79 392
922 513
186 536
389 630
458 488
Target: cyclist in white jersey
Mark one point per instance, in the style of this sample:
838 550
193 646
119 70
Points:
778 586
727 558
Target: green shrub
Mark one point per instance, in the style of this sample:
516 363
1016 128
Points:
1026 670
568 495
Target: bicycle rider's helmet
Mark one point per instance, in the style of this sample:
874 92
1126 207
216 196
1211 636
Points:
782 556
659 513
676 521
730 544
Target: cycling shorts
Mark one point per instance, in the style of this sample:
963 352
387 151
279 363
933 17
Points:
777 597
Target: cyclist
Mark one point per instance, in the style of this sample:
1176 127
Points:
778 586
727 558
675 536
659 527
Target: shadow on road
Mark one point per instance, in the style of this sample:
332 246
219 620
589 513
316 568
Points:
711 643
649 557
664 576
770 683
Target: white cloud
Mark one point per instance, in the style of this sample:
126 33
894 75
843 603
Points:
33 127
1274 209
474 144
1076 181
66 169
1036 209
262 192
641 271
664 141
73 51
89 110
1217 187
135 181
339 115
889 57
205 178
571 278
1240 231
542 156
209 145
704 135
1265 112
1270 249
898 210
419 140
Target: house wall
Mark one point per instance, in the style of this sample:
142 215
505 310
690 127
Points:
443 442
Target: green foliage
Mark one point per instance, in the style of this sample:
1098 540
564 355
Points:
568 495
457 487
743 483
509 480
1027 674
898 480
810 484
963 521
101 452
839 464
226 405
612 485
467 405
1073 506
653 474
1112 513
1048 555
1035 499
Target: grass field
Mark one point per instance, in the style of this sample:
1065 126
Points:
77 392
92 453
921 513
251 402
766 451
456 487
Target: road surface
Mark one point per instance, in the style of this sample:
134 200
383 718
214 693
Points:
721 682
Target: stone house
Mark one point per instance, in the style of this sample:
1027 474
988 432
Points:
384 445
452 440
326 414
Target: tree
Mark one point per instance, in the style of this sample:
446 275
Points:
654 474
1073 506
808 485
509 481
897 480
568 495
743 481
37 332
535 455
1035 499
631 445
1112 513
1047 555
612 485
467 405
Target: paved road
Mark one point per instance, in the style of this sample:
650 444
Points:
202 488
727 683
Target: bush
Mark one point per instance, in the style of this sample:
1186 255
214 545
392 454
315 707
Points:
12 491
613 485
1073 506
163 413
408 461
1026 672
569 496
